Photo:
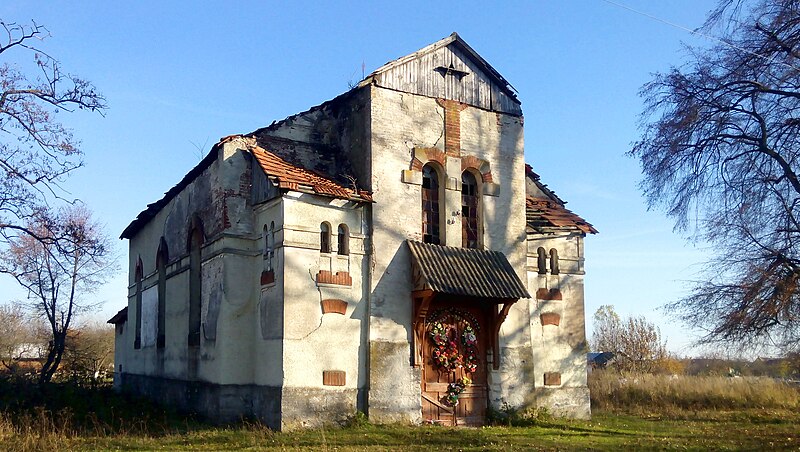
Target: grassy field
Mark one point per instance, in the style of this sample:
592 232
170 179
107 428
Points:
64 417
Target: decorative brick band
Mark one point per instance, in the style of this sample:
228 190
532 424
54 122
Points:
267 277
550 318
340 278
552 378
452 126
425 155
334 377
334 306
552 294
481 166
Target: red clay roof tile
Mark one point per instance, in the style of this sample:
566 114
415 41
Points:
547 213
292 177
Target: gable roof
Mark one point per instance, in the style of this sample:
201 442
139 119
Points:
415 73
465 271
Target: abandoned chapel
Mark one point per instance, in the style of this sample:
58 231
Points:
387 251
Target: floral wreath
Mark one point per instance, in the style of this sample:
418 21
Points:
454 390
445 351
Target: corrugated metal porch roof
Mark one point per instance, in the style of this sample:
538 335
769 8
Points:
467 272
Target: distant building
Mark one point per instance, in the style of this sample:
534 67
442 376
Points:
367 254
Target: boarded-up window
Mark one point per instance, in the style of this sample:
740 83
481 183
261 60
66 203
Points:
137 342
431 219
469 211
196 238
149 317
161 265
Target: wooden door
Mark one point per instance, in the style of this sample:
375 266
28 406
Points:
460 335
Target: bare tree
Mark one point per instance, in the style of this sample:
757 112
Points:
90 351
18 340
719 150
635 342
36 150
59 273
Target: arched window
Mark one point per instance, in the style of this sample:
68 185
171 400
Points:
344 240
431 219
324 238
469 211
162 257
553 261
139 275
541 261
196 239
269 246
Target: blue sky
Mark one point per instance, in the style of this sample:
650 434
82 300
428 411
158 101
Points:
179 76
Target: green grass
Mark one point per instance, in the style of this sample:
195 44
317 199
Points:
739 430
66 417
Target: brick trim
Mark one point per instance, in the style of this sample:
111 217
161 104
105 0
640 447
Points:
340 278
267 277
481 166
552 294
552 378
550 318
334 377
334 306
452 126
423 155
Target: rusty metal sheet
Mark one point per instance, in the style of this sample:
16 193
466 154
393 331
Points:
466 271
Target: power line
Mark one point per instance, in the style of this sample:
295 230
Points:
697 33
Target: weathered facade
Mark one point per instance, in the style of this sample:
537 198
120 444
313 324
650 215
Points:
371 253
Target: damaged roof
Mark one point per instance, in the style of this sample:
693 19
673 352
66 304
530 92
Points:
548 212
293 177
120 317
288 176
466 271
544 213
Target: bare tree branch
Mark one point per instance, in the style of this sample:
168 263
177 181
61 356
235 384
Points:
720 152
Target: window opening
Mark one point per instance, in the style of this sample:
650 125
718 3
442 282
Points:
553 261
469 210
541 261
325 238
430 206
161 265
137 342
195 285
344 240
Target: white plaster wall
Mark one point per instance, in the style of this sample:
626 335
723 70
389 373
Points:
314 342
224 356
560 348
400 122
268 319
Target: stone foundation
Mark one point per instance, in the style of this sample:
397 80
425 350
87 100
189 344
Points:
314 407
564 402
218 403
